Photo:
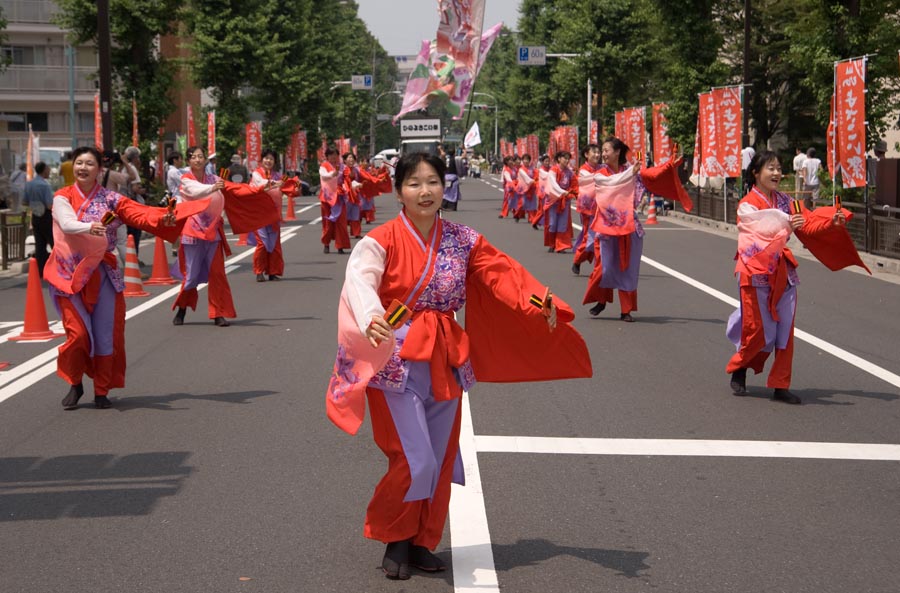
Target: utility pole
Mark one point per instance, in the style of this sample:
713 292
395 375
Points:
746 74
103 49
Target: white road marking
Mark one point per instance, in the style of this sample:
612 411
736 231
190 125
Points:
688 448
470 538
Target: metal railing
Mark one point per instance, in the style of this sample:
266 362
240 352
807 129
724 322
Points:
28 11
47 79
13 229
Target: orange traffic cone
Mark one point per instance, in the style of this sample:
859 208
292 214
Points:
161 273
36 326
242 239
133 286
290 215
651 214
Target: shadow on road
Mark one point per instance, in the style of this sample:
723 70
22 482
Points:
88 486
529 552
164 402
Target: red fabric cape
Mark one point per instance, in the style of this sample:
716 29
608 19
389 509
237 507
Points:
663 181
832 246
249 208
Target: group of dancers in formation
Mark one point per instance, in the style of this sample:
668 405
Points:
607 191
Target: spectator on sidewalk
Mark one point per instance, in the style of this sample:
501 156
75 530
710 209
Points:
811 178
39 197
799 161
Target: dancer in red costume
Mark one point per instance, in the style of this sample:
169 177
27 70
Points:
414 373
86 283
767 272
586 207
268 258
333 203
561 189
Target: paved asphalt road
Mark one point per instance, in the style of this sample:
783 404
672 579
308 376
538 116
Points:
217 471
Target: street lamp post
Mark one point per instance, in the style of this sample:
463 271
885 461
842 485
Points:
495 116
372 119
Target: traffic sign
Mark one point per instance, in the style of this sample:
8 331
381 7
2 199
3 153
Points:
532 55
361 82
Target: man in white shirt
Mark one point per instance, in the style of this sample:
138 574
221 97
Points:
799 159
811 178
174 163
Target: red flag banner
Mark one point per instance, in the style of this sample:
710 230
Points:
211 133
620 125
709 146
521 149
697 156
662 145
134 123
728 129
98 124
302 146
320 152
343 146
253 144
594 137
160 157
850 113
571 135
534 147
289 163
635 131
191 129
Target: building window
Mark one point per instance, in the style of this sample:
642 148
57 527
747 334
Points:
25 55
39 122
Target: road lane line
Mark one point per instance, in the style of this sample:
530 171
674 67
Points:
688 448
470 538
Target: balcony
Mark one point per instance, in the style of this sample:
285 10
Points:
46 79
28 11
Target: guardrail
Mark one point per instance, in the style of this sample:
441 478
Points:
47 79
28 11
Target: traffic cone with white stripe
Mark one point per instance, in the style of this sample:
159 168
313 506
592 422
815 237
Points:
651 213
160 273
133 286
36 326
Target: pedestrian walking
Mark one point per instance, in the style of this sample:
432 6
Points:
39 197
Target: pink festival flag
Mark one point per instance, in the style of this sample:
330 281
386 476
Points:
211 133
850 113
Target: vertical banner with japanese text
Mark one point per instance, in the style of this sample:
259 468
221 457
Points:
253 141
709 146
191 129
134 122
302 145
533 145
521 148
211 133
635 132
831 137
850 115
662 145
620 126
98 124
728 129
594 136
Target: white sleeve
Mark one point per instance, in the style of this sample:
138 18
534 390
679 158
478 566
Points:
364 271
66 218
191 189
323 172
256 180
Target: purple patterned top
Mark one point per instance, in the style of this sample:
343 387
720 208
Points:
783 203
445 292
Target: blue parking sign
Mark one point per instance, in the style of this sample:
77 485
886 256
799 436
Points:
523 54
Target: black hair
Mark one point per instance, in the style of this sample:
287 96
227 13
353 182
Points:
269 152
526 156
88 149
330 151
408 163
110 158
811 153
620 146
562 153
172 156
192 149
346 155
588 148
40 167
759 160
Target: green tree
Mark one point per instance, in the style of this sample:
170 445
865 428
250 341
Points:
137 68
4 60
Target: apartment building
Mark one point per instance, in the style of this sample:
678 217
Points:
45 79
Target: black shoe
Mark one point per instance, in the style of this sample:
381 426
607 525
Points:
341 251
274 278
422 558
597 309
576 269
534 226
260 277
549 250
739 382
221 322
326 249
396 561
783 395
626 317
179 316
70 402
102 402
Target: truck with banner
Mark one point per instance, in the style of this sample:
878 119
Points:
420 135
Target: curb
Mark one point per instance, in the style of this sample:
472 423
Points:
877 263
